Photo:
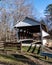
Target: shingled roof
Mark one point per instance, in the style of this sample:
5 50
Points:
29 22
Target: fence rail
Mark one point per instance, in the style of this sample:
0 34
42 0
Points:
10 44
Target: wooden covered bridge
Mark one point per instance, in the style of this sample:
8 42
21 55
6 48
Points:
29 31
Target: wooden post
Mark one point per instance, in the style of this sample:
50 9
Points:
21 47
41 36
18 33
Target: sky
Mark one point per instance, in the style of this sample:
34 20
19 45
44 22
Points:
40 5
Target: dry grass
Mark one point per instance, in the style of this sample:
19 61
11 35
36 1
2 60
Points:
10 60
24 58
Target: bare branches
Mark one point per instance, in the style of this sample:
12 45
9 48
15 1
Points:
17 10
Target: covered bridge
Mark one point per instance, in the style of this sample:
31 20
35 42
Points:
30 29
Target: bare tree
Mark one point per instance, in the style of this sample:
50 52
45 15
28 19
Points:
24 9
9 18
4 27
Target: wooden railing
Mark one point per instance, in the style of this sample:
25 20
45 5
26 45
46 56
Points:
3 45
